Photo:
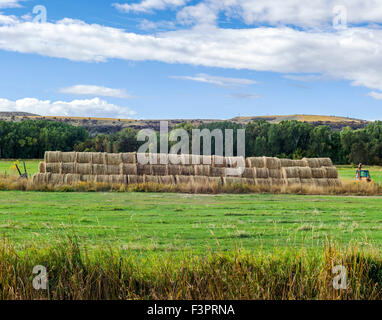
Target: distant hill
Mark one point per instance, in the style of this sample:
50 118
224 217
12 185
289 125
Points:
16 114
106 125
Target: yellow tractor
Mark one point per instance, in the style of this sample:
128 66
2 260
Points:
363 175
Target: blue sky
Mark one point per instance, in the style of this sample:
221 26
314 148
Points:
157 59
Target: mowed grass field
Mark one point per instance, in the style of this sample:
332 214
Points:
177 223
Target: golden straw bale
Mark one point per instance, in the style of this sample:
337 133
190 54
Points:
72 178
152 158
118 179
88 178
308 182
174 169
42 167
231 180
159 170
272 163
277 182
189 180
206 160
275 173
262 173
187 170
151 179
174 159
114 159
84 168
68 157
292 181
99 169
102 178
217 172
235 162
325 162
99 158
300 163
249 173
83 157
286 163
219 161
40 178
318 173
257 162
52 156
166 179
56 179
215 180
132 179
53 167
331 172
312 162
334 182
128 169
305 172
202 170
68 168
248 181
129 158
201 180
291 172
144 169
322 182
113 169
263 182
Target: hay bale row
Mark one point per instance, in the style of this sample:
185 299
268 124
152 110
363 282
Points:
90 157
254 162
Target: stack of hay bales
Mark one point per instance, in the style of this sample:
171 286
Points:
123 168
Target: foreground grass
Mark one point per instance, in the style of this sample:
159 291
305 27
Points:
74 273
175 223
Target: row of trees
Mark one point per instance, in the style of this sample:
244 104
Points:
288 139
30 139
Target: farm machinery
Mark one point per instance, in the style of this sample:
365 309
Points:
22 175
363 175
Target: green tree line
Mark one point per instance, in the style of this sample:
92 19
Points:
288 139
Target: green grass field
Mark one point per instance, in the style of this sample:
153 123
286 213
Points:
6 166
174 223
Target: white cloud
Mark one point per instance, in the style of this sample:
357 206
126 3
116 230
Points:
9 4
219 81
375 95
76 108
354 54
156 25
287 12
149 5
245 96
303 78
5 19
89 90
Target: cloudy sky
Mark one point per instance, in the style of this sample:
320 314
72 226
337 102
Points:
155 59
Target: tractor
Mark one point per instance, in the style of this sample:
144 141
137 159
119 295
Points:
362 175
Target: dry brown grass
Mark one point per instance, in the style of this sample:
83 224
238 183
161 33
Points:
214 186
